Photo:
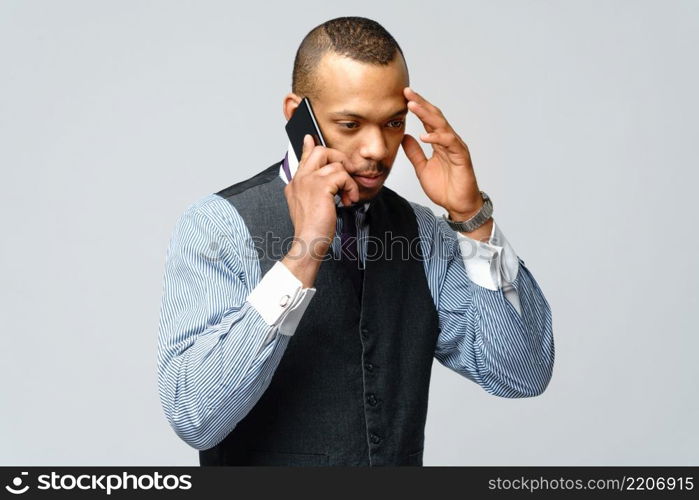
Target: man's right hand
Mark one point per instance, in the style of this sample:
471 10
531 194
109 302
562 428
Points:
310 195
322 173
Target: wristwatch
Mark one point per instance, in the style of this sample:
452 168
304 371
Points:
474 222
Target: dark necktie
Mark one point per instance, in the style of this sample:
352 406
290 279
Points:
348 246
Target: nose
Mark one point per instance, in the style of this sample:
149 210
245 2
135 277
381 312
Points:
374 146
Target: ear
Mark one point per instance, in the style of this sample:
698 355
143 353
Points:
289 105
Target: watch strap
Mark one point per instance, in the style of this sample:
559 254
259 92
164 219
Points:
480 218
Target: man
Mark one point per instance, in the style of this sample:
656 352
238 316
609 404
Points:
318 350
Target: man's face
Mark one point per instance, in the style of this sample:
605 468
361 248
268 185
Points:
361 111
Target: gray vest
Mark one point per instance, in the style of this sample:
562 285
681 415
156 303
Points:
352 386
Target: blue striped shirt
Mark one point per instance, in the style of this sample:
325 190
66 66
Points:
217 355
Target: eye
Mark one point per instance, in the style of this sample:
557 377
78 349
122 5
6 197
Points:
344 125
399 122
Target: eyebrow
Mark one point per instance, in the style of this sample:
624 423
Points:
345 112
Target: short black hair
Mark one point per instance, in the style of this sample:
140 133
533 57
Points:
359 38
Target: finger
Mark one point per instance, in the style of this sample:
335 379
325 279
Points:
307 148
431 116
331 168
446 139
320 156
346 187
414 152
333 155
454 147
431 120
450 145
411 95
312 157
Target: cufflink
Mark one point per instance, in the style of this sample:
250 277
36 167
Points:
284 300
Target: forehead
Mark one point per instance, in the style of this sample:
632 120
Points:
367 89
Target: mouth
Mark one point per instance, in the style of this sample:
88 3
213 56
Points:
369 181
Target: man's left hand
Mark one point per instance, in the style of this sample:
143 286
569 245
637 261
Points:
447 178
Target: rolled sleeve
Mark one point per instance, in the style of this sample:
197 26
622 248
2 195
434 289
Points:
493 265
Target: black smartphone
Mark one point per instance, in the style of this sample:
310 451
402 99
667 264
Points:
303 122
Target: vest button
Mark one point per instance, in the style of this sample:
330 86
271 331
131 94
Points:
371 399
365 332
370 367
375 439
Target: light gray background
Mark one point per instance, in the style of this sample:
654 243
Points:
581 118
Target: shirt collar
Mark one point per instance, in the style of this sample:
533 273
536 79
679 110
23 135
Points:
293 164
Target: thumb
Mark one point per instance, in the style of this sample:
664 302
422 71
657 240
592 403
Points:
414 152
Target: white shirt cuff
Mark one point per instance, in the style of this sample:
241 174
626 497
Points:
491 264
280 298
